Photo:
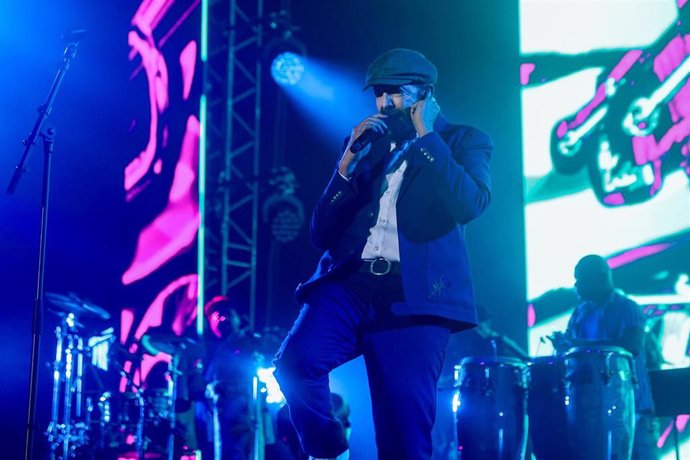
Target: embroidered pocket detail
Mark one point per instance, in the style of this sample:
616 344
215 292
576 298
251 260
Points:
439 287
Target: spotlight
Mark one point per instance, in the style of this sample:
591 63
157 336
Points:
287 68
283 49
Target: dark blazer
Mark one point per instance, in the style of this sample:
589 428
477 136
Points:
445 186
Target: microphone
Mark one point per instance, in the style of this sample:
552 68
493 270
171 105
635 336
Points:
366 138
399 128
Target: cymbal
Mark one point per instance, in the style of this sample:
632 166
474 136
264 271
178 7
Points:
71 303
167 342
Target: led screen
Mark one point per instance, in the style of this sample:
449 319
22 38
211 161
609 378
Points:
606 141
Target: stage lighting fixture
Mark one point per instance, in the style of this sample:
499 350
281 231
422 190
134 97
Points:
283 49
282 209
271 389
287 68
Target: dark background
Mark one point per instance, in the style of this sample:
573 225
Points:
474 45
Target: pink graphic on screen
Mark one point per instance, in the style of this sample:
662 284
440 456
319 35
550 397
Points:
636 128
143 44
126 322
600 96
681 424
176 300
174 229
635 254
157 77
526 70
164 49
188 65
531 315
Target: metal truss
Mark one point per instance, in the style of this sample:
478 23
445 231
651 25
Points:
232 85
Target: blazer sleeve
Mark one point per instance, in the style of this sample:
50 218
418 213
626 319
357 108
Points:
337 207
461 171
333 212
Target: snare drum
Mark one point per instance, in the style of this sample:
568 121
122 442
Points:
491 418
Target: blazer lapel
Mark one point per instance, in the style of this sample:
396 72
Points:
411 171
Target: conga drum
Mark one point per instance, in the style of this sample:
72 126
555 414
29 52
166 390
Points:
600 402
491 417
546 408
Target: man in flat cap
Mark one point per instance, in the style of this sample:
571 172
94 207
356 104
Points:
394 280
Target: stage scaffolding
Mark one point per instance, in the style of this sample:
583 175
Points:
231 118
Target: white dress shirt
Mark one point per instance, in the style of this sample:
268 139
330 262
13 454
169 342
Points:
383 236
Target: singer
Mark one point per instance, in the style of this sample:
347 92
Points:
394 280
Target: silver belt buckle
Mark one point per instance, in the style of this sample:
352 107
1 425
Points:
385 272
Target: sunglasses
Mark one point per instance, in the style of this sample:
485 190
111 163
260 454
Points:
380 90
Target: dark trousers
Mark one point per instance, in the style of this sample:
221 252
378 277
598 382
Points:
341 320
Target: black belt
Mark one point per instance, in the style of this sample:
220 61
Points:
380 266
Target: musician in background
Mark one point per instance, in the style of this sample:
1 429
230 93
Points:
228 370
608 318
175 336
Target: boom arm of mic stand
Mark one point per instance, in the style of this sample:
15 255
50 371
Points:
43 112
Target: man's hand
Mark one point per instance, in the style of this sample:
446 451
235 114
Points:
424 114
349 160
561 341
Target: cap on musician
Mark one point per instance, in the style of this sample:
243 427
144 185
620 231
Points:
223 319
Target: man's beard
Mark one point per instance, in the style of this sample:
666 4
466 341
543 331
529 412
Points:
399 122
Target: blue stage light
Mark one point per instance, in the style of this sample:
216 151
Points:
287 68
271 387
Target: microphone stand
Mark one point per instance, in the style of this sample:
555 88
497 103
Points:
514 347
48 139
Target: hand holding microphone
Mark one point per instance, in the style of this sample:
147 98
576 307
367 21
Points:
366 132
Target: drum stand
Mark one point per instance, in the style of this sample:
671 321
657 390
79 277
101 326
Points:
131 384
263 423
173 373
262 426
67 431
212 397
257 406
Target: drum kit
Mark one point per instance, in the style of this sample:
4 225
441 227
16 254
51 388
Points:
142 422
68 430
101 424
575 406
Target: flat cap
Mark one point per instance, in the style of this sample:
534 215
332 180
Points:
401 66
